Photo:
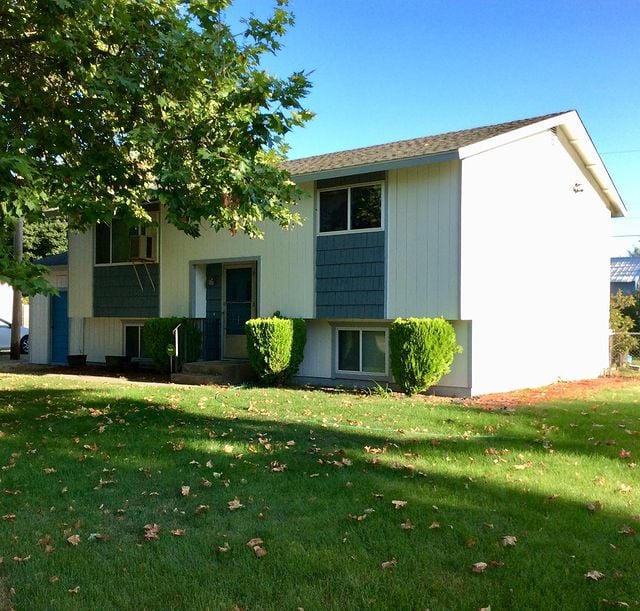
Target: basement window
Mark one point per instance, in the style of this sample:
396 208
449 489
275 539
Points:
362 351
133 341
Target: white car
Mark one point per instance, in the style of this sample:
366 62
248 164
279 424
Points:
5 337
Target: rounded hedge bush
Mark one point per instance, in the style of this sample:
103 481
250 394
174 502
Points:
275 347
422 350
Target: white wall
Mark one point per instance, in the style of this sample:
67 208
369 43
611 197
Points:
534 268
285 264
423 241
81 274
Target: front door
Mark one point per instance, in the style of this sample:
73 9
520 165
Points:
59 327
239 307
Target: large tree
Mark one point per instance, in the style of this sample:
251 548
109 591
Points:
107 105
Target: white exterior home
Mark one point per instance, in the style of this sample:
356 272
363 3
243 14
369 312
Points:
467 225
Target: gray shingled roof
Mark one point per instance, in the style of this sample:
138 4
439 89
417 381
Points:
405 149
625 269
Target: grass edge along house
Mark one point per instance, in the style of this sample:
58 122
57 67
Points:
468 225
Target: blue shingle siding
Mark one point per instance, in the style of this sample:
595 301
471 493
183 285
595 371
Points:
117 292
350 275
212 333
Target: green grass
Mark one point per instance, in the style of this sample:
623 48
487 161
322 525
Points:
469 476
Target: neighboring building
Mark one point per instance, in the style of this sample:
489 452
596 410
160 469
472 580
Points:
49 330
625 275
468 225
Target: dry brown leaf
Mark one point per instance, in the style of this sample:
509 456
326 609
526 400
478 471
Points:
594 506
151 532
260 552
434 525
9 516
201 509
407 525
625 453
74 590
178 532
22 558
508 540
223 548
595 575
49 470
399 504
626 530
479 567
185 490
234 504
389 564
205 482
73 540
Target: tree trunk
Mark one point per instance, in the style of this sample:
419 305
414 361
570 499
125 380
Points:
16 319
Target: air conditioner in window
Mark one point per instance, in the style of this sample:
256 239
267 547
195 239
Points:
142 248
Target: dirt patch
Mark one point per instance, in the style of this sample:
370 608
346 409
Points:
561 391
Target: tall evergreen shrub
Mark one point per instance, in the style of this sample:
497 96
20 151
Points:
422 350
157 334
275 347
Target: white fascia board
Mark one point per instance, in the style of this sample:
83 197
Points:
577 136
394 164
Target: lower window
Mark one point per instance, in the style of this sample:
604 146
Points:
362 351
133 343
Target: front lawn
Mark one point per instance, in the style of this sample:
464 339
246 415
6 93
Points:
122 496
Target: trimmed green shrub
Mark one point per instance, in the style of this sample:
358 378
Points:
157 334
422 350
275 347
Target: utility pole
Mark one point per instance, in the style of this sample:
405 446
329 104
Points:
16 318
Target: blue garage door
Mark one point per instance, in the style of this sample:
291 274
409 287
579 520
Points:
59 328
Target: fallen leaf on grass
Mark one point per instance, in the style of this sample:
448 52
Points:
235 504
389 564
201 509
625 488
185 490
399 504
49 470
9 516
205 482
73 540
479 567
434 525
22 558
407 525
178 532
594 506
255 545
625 453
626 530
223 548
508 540
98 537
151 532
74 590
594 575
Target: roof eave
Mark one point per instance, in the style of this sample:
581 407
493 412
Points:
393 164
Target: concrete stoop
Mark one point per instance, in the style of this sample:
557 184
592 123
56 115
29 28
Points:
214 372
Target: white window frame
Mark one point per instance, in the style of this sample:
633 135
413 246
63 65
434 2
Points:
140 325
348 187
360 373
151 230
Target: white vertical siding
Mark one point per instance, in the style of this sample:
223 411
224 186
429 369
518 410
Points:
285 264
81 274
102 336
535 267
423 241
318 357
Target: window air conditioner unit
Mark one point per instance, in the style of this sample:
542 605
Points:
141 248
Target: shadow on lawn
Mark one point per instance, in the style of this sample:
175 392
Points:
310 509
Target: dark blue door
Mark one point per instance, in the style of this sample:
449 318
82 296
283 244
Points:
59 327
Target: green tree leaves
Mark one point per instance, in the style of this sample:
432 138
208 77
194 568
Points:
106 106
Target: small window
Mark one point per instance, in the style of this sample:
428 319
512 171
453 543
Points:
362 351
133 341
351 208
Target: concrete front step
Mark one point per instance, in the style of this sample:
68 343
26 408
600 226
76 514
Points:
199 379
218 372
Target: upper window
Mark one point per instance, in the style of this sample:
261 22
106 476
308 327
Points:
118 242
351 208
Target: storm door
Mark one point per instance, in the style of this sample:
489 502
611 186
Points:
239 306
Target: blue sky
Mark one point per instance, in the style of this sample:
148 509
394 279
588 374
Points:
388 70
